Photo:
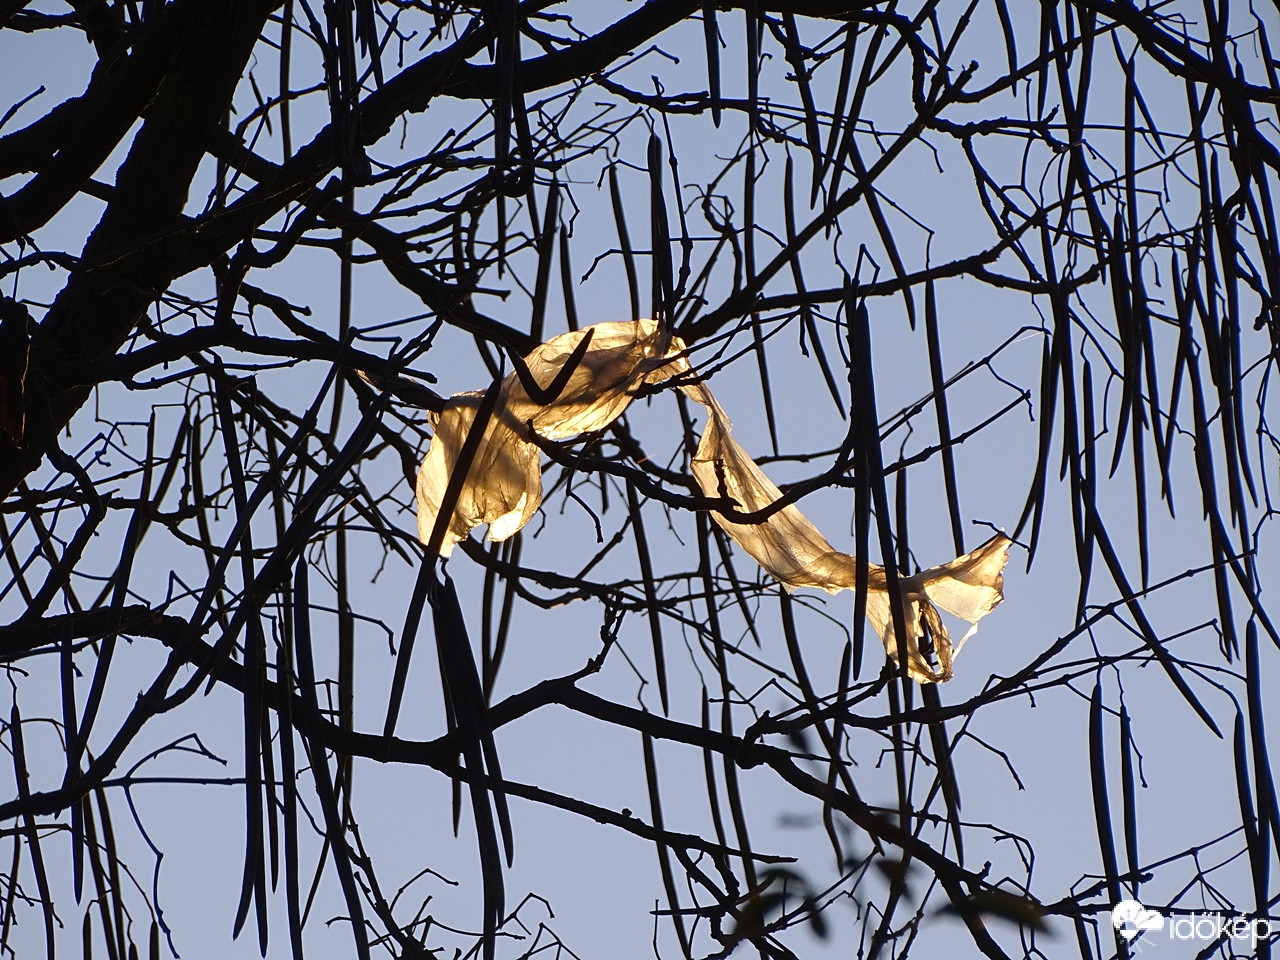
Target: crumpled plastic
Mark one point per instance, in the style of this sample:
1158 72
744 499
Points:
503 487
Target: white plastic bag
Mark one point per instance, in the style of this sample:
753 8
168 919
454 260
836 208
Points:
503 487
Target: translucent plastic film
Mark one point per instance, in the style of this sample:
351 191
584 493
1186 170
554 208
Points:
503 487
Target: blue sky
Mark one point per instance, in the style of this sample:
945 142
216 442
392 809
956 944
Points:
602 886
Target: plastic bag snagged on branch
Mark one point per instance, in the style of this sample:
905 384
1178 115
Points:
503 487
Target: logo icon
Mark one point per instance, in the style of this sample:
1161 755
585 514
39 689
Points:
1131 918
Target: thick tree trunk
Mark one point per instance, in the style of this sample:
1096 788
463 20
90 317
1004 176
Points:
119 275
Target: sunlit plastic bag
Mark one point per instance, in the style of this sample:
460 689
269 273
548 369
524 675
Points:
503 486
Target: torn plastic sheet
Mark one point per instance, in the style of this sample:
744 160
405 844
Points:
503 487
